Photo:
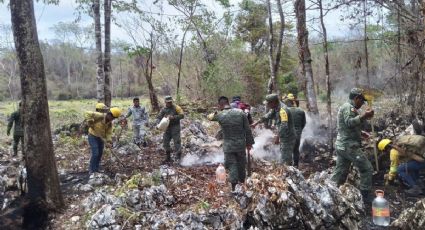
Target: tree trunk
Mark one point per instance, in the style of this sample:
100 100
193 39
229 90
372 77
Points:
271 44
398 58
100 77
328 81
148 75
107 60
121 81
366 53
44 192
180 66
305 56
279 47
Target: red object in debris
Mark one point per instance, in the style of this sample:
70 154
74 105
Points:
244 106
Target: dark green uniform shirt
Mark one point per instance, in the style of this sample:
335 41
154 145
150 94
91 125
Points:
236 130
284 120
175 111
349 127
299 119
18 130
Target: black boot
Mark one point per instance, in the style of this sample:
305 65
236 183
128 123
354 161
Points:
233 186
167 158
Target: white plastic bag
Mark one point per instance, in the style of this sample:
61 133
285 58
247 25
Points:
163 124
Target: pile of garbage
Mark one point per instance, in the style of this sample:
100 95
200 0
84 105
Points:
12 181
282 199
199 147
393 125
411 218
285 200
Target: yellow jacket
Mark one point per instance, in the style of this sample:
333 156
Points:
395 161
97 125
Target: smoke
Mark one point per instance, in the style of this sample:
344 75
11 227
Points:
313 131
208 158
264 148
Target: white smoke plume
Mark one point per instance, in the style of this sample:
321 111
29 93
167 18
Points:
312 131
264 148
209 158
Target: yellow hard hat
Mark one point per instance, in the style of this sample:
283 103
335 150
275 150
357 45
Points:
100 106
116 112
383 143
291 96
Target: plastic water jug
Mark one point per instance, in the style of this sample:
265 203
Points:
380 209
220 174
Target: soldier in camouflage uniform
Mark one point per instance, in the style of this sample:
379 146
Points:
348 142
140 121
18 131
285 123
237 136
299 123
175 114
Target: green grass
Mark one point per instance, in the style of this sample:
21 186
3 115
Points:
66 112
61 112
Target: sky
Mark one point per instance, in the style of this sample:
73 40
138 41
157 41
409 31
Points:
49 15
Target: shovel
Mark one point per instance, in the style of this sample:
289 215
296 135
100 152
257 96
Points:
370 95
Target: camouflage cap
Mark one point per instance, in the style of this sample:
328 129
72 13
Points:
356 92
168 99
272 97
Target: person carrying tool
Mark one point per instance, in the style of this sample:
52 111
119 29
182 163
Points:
299 123
348 142
140 122
100 130
407 160
237 137
18 131
285 123
175 114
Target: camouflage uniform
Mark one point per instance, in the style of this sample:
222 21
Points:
18 131
173 130
140 118
284 120
348 143
299 123
237 135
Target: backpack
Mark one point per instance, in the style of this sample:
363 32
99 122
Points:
413 144
244 106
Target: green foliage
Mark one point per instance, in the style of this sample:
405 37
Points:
203 205
136 51
288 84
251 24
